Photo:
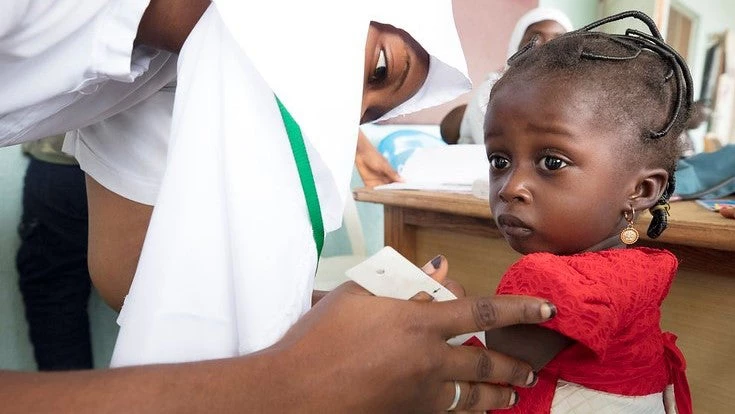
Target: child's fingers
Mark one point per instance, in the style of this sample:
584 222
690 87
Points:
452 285
728 212
455 287
441 276
437 268
422 297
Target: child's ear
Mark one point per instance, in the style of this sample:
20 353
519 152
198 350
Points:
650 185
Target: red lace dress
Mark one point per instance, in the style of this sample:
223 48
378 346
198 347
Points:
609 303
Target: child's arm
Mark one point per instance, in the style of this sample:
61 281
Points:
530 343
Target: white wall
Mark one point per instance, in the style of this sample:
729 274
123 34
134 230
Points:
15 351
714 16
580 12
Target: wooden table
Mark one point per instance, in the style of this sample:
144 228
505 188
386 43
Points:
700 307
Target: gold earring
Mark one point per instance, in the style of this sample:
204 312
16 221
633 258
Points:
629 235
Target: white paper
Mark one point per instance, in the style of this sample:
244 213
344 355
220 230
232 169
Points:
452 168
440 187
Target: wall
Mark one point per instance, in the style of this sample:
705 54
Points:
15 351
580 12
714 16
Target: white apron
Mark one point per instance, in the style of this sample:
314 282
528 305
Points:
228 262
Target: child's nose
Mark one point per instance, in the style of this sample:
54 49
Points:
515 187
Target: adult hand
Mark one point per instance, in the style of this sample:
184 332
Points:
353 352
360 353
374 169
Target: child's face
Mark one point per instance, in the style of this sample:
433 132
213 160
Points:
557 175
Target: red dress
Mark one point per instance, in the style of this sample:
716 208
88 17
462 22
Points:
609 303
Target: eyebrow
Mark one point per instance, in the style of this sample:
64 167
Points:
552 129
404 75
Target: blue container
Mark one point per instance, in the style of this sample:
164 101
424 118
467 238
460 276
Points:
397 146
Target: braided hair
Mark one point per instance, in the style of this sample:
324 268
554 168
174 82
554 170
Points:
643 84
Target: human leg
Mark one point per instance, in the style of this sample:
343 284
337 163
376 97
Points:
52 265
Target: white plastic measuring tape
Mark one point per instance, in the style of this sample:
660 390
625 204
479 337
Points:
389 274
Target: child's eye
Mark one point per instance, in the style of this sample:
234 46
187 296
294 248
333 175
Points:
498 163
381 69
552 163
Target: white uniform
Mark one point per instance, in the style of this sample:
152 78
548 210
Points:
232 180
228 262
67 64
62 72
126 153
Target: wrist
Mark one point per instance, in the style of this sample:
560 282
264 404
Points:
289 381
270 381
167 23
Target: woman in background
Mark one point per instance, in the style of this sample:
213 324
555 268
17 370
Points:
464 124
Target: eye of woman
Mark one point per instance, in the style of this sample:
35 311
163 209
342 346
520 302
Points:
498 163
552 163
380 73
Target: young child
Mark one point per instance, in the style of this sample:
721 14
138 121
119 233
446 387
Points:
582 135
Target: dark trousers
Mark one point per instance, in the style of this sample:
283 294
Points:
52 263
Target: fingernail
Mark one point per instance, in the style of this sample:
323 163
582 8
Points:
437 261
430 267
548 310
514 398
532 379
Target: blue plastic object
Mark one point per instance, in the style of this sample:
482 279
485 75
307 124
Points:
397 146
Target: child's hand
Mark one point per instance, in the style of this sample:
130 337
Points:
727 212
438 268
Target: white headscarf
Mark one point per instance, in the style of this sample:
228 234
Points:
229 258
338 81
534 16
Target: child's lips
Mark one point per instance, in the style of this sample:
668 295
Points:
513 226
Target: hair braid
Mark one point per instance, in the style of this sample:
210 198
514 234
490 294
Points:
660 211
